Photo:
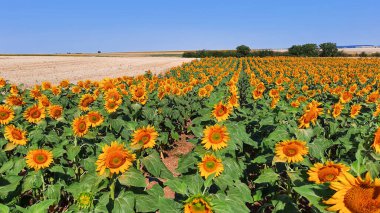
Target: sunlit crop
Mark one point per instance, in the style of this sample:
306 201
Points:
221 135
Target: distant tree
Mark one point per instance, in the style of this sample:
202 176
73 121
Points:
328 49
309 50
99 51
242 50
295 50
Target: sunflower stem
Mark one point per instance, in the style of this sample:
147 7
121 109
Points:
43 185
112 188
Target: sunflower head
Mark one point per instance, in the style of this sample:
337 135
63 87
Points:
35 113
84 200
355 194
85 101
376 141
112 106
80 126
95 118
215 137
291 151
6 114
210 165
221 111
197 204
326 173
39 159
116 158
144 137
55 111
14 100
355 110
15 135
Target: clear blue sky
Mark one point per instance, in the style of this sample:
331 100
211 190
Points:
59 26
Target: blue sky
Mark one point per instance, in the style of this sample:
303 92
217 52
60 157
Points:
61 26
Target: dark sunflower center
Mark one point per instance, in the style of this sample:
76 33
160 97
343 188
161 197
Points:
145 138
363 199
94 118
139 92
116 160
35 113
112 105
4 115
216 137
290 150
82 126
327 174
210 166
221 111
87 101
40 158
57 113
16 134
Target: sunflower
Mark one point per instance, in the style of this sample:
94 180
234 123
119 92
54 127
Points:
337 109
6 114
197 204
55 111
376 141
15 135
95 118
221 111
115 158
355 194
257 94
274 93
80 126
326 173
210 165
14 100
215 137
291 151
311 114
345 97
234 100
39 159
43 101
112 95
34 114
2 82
84 200
139 94
144 137
355 110
85 101
112 106
202 92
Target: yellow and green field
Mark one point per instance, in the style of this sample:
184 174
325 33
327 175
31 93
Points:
223 135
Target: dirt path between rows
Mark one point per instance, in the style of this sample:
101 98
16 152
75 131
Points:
31 70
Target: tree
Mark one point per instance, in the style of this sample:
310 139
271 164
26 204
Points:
242 50
295 50
309 50
328 49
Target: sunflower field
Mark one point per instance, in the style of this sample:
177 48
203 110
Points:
217 135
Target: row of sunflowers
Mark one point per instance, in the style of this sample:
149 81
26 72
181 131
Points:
274 134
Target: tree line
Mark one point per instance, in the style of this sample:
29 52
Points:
328 49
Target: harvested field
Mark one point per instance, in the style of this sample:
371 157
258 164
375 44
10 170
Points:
30 70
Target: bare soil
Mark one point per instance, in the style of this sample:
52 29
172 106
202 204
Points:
31 70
